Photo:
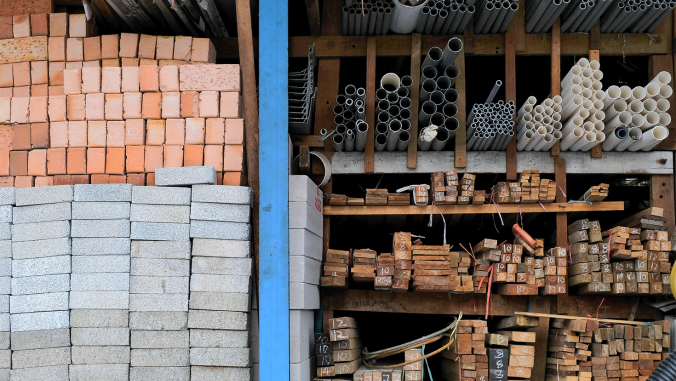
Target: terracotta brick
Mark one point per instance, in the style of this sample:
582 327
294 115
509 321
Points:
39 90
39 73
203 50
234 179
56 161
37 162
4 162
149 77
22 137
92 48
130 78
21 92
116 133
21 26
6 75
6 92
129 62
128 45
194 131
173 156
58 25
146 61
175 132
152 105
146 46
115 161
111 79
95 106
114 106
132 105
96 133
58 134
91 80
117 179
79 179
21 73
165 48
20 110
215 131
134 132
219 178
182 48
18 163
169 78
24 181
76 161
233 158
77 134
77 25
190 103
150 179
163 63
5 109
56 90
193 155
171 105
37 110
110 62
39 135
76 107
44 181
6 181
95 63
62 179
213 155
100 179
6 27
96 160
136 179
72 81
234 131
209 104
74 65
39 24
57 108
74 49
110 46
153 158
230 104
135 159
155 132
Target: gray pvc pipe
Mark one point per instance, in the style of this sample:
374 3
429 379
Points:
434 56
431 19
407 82
451 95
426 112
483 16
437 119
457 19
405 103
350 21
422 20
345 21
441 19
497 24
381 140
387 21
610 16
381 128
539 11
449 110
404 138
428 87
441 139
338 142
349 141
379 20
491 18
494 91
393 131
373 20
405 114
453 14
402 92
437 97
466 17
360 138
381 94
428 72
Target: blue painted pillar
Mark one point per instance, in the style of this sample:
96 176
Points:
273 53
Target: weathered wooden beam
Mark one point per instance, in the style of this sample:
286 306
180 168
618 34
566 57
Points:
313 19
559 208
412 158
662 196
556 73
370 104
460 153
510 94
596 151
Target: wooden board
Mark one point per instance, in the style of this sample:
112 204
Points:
412 155
370 103
460 154
556 73
662 196
596 151
335 210
510 95
616 307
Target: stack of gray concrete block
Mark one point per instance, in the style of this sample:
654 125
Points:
6 205
305 256
41 267
99 297
220 285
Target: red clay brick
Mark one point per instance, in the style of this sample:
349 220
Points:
110 46
96 160
21 92
91 80
116 134
56 108
6 182
96 133
132 105
4 162
96 63
219 178
150 179
21 72
215 131
79 179
164 49
56 90
114 106
92 48
209 104
233 158
146 46
117 179
193 155
58 24
37 162
77 134
230 104
149 77
39 73
95 104
24 181
56 161
115 161
99 179
169 78
21 26
129 62
76 107
213 156
77 25
134 132
39 90
19 109
234 179
135 159
58 134
137 179
39 24
76 161
152 105
37 110
40 135
6 75
74 49
62 179
155 132
22 137
44 181
111 80
190 101
171 105
130 79
194 131
182 48
18 163
173 156
153 158
6 28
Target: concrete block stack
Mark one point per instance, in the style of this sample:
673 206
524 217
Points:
6 205
99 298
41 267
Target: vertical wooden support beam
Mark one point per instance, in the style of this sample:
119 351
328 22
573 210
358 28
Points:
461 104
519 22
510 93
561 219
313 19
416 52
556 73
594 54
540 304
658 64
662 196
370 103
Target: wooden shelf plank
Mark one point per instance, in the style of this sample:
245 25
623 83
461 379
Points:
333 210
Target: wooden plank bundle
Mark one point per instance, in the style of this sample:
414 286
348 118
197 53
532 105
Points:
338 199
338 352
413 371
595 193
432 268
521 350
467 360
366 374
400 199
651 218
401 250
528 189
363 265
555 271
384 272
376 196
335 269
568 350
466 189
588 256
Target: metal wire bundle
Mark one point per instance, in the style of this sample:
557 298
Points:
635 16
445 17
393 113
541 14
369 18
491 127
349 114
436 119
494 16
538 126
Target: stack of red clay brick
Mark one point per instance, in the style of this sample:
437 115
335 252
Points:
79 108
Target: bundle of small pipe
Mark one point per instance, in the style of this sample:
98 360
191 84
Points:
636 118
367 17
436 120
349 114
541 14
491 126
393 113
539 126
494 16
446 17
581 15
635 16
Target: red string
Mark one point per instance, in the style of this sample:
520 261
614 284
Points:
504 242
488 289
597 310
557 184
543 207
459 367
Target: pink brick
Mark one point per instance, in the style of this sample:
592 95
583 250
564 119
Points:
72 81
22 74
91 80
92 48
146 61
130 79
209 77
58 134
203 50
165 48
175 130
74 49
74 65
135 132
6 76
21 92
155 132
39 24
114 106
173 156
77 25
58 24
21 26
95 106
234 131
20 110
169 78
96 63
194 131
129 45
132 105
111 62
230 104
56 73
116 133
5 109
96 133
56 49
110 46
77 134
37 162
39 73
56 90
6 91
213 156
111 80
39 90
182 47
209 104
57 108
76 107
149 78
37 110
146 46
171 105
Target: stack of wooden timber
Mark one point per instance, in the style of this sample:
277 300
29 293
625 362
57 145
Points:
432 268
467 359
376 196
467 189
595 193
651 218
588 257
363 265
335 268
384 272
413 371
400 199
568 350
402 251
529 189
442 192
556 270
521 353
344 346
341 200
365 374
506 193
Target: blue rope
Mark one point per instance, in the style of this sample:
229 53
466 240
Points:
427 364
585 200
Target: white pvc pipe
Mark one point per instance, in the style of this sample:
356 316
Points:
599 95
557 109
614 138
522 132
596 86
622 119
600 138
665 92
548 138
663 78
574 80
571 92
586 93
557 99
653 138
539 134
572 124
523 142
571 107
539 109
598 105
522 121
636 106
587 72
652 89
557 126
663 105
575 70
625 92
665 119
588 137
634 135
598 75
587 83
597 117
612 94
594 65
588 127
637 93
649 105
548 102
392 80
569 139
615 109
583 113
651 119
637 120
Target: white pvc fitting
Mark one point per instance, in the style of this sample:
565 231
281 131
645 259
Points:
663 105
625 92
638 93
663 78
652 89
636 106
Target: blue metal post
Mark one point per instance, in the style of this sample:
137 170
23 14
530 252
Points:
273 214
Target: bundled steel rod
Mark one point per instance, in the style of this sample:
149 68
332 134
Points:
349 117
445 17
494 16
635 16
491 127
370 18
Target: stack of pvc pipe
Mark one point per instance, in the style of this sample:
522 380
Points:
494 16
541 14
635 16
539 127
636 118
491 127
581 15
436 120
446 17
349 114
367 18
393 113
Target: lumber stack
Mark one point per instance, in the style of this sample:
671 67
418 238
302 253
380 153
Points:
466 189
403 265
555 270
338 199
399 199
467 359
335 268
651 218
366 374
338 351
432 268
413 371
568 350
595 193
521 352
363 265
376 197
528 189
384 272
588 255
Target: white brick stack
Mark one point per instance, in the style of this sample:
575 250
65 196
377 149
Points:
41 266
99 298
6 205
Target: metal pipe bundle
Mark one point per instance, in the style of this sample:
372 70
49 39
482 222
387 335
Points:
370 18
491 127
494 16
349 115
445 17
642 16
